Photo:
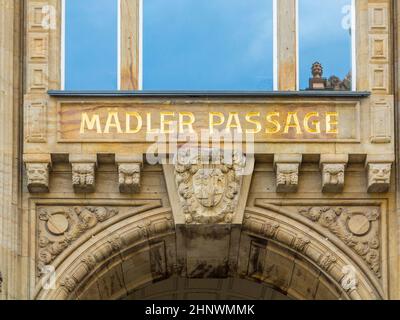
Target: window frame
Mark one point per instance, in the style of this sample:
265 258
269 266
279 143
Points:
276 62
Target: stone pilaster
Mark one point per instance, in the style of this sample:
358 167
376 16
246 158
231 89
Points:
9 151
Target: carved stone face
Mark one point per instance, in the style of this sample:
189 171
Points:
38 173
317 70
379 173
334 174
209 186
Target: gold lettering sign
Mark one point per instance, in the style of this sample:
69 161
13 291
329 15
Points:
268 122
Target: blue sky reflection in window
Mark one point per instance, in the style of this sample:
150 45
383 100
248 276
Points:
325 37
208 45
91 44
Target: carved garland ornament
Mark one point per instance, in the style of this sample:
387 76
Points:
208 184
358 230
61 229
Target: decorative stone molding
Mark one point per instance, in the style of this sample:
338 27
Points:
349 281
129 171
208 184
60 227
37 171
357 228
300 243
108 244
379 173
322 250
333 172
83 172
326 260
287 172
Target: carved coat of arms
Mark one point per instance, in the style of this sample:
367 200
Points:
208 184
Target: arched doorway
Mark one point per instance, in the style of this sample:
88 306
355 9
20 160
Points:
279 257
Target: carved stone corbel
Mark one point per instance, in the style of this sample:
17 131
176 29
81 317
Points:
287 172
129 171
37 171
379 171
83 172
333 171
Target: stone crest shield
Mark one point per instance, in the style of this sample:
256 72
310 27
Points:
208 183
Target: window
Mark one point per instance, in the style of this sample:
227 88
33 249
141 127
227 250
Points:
91 44
326 36
207 45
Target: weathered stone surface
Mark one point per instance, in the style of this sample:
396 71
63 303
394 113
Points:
333 172
129 171
287 172
379 177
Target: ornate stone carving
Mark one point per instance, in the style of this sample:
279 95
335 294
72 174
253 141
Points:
90 262
300 243
208 185
334 83
116 243
326 260
349 281
69 283
38 177
61 228
333 177
83 177
379 177
129 177
265 229
358 229
287 177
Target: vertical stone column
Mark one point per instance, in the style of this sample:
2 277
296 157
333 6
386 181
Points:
9 101
130 44
287 42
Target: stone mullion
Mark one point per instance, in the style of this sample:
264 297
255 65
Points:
9 238
287 45
130 45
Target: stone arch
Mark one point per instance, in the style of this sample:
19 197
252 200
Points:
143 245
308 240
111 245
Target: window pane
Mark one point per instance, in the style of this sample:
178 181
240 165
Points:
208 45
325 37
91 44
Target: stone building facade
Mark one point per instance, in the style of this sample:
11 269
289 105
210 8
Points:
310 212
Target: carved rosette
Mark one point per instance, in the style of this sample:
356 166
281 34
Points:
358 229
59 228
83 177
208 184
129 177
